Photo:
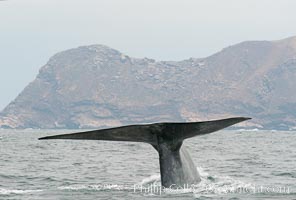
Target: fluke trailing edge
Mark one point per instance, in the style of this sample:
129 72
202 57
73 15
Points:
176 166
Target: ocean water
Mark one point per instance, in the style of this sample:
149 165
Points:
241 164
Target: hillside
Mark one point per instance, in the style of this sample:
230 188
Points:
96 86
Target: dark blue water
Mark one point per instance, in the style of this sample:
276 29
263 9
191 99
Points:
233 165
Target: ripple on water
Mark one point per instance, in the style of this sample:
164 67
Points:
285 174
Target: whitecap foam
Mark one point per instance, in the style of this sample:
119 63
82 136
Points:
151 179
210 185
248 130
217 185
177 191
202 172
8 191
73 187
96 187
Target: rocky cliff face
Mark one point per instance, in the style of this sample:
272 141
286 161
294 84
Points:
96 86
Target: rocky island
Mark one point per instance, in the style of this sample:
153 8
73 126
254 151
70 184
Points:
96 86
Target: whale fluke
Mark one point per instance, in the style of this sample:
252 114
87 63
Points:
148 132
132 133
176 166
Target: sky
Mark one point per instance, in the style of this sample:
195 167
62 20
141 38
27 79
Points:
31 31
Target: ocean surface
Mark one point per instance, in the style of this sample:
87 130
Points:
241 164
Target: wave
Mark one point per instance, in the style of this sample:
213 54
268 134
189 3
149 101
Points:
209 185
287 174
248 130
218 185
151 179
97 187
4 191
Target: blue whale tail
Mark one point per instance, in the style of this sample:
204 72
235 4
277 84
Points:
149 133
176 166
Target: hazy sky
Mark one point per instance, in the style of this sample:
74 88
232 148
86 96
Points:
31 31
